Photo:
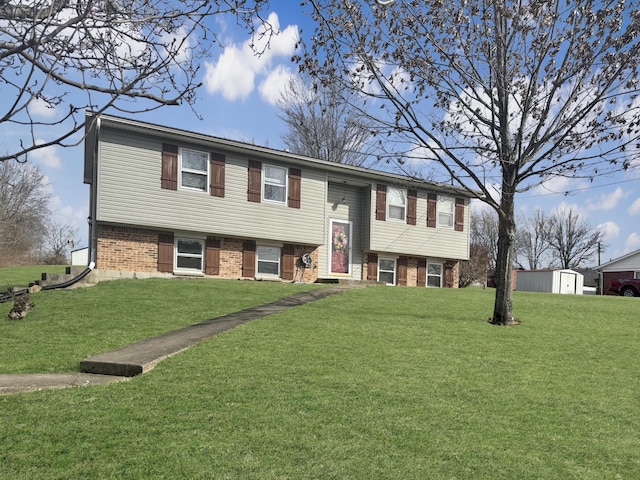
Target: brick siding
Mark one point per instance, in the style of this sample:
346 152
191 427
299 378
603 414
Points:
412 270
136 250
126 248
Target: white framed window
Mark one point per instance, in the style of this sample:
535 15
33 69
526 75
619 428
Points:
396 203
194 170
189 254
268 261
274 184
446 206
387 270
636 274
434 275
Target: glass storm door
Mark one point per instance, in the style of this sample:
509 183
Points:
340 247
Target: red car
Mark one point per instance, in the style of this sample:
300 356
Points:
627 287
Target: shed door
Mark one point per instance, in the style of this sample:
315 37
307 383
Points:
568 283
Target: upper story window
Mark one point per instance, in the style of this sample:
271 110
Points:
397 203
446 207
275 184
194 170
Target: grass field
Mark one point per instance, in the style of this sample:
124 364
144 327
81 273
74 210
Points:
388 383
23 276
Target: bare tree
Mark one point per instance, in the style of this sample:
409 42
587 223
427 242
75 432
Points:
504 94
59 239
131 56
572 239
532 241
322 124
24 211
484 233
476 269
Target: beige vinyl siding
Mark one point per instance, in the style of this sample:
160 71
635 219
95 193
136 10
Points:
418 240
137 199
630 263
350 210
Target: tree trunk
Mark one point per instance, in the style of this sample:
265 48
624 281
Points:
503 307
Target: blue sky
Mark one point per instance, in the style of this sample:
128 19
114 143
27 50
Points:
238 101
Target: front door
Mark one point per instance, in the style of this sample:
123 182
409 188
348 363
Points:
340 247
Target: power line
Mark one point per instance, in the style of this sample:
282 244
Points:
576 190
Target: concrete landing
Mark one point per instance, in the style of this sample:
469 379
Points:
140 357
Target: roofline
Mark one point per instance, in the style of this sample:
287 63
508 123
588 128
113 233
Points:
271 153
616 260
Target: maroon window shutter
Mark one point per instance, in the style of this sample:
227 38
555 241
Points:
216 189
402 271
249 258
459 217
381 202
412 207
288 262
295 176
169 176
165 252
432 210
372 267
422 272
212 256
255 181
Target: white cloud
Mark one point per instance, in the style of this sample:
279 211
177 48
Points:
564 208
180 43
234 74
611 229
275 84
607 201
634 209
47 156
39 107
54 201
554 185
632 243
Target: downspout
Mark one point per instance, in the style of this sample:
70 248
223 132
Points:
93 197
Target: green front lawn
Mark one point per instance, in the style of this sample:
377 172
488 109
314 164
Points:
381 382
67 326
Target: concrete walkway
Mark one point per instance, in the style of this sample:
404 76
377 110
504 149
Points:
137 358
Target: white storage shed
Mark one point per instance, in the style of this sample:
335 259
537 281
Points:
550 281
80 256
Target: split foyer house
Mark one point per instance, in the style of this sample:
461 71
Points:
181 203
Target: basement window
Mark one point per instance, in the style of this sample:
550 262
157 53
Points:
268 259
189 254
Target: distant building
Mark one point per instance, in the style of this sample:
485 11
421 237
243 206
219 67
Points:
563 281
626 266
